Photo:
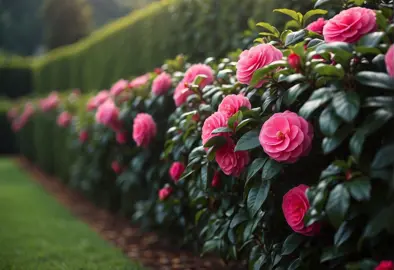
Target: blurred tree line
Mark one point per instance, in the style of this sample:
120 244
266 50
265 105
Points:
28 25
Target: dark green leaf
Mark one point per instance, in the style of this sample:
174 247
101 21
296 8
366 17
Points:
371 39
221 130
320 3
238 219
257 196
210 245
378 222
248 141
346 105
329 122
295 264
359 188
317 99
271 169
292 93
384 157
375 79
234 120
259 74
204 176
256 165
337 205
329 70
343 234
259 262
332 253
244 123
329 144
292 242
295 37
365 264
216 141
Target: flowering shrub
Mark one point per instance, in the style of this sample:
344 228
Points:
281 156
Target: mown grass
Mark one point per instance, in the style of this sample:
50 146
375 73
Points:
37 233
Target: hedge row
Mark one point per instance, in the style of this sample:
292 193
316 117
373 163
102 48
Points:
145 38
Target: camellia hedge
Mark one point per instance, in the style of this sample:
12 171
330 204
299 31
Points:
281 156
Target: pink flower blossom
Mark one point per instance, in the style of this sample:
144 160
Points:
161 84
294 61
216 180
286 137
121 137
118 87
254 59
83 136
385 265
389 59
116 167
139 81
176 170
181 93
144 129
216 120
350 25
233 103
64 119
231 163
27 113
165 192
107 114
295 205
317 26
50 103
199 69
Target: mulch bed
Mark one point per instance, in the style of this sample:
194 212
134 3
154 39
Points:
147 248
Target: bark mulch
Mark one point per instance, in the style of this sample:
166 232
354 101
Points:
146 247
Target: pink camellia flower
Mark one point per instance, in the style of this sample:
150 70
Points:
286 137
385 265
181 93
389 59
83 136
254 59
107 114
91 105
50 102
199 69
161 84
176 170
101 97
64 119
216 180
216 120
144 129
121 137
232 103
118 87
350 25
24 118
139 81
294 206
158 71
165 192
231 163
116 167
317 26
294 61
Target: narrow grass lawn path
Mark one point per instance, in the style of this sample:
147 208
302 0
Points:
37 233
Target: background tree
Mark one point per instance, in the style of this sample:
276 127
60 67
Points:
66 21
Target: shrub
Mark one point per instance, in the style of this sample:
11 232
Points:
292 170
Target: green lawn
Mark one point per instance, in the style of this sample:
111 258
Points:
37 233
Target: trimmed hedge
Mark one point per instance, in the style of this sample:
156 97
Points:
144 39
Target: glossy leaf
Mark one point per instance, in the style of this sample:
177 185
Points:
359 188
337 204
329 121
256 165
257 196
346 105
271 169
292 242
343 233
248 141
375 79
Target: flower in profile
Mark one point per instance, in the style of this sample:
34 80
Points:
216 180
83 136
161 84
176 170
231 163
116 167
199 69
181 93
350 25
317 26
118 87
139 81
107 114
165 192
144 129
389 59
216 120
286 137
254 59
233 103
295 205
64 119
385 265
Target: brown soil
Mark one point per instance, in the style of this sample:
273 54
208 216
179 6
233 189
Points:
147 248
